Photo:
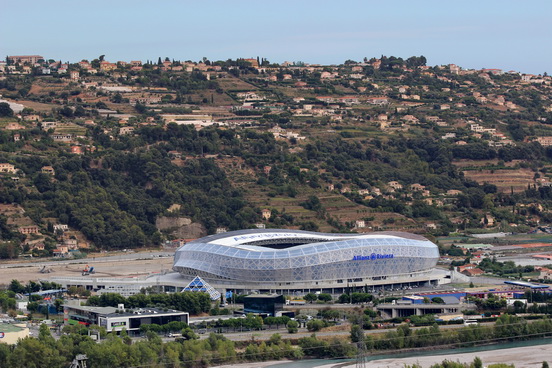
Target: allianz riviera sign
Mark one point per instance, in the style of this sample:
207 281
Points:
372 257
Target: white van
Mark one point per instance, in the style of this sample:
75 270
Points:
469 322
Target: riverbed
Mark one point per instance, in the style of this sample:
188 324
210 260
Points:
523 354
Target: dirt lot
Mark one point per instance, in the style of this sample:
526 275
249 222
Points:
524 357
104 268
37 106
505 180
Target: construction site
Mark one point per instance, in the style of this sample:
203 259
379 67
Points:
101 265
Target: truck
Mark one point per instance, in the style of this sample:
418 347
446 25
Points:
88 271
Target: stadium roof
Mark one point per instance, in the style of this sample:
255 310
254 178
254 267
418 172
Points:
48 292
253 238
527 284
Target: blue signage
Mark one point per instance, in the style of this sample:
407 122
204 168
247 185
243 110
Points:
372 257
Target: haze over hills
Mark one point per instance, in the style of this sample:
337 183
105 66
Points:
118 155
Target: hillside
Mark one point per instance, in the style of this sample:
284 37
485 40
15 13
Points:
94 154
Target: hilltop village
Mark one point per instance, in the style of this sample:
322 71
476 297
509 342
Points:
111 157
106 155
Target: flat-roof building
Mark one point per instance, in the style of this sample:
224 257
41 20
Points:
270 305
115 319
31 59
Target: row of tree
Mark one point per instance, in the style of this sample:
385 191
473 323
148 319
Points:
187 301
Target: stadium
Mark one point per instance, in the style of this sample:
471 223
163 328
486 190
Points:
288 261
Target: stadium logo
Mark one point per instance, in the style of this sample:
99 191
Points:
372 257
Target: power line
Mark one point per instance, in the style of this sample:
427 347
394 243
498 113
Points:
387 351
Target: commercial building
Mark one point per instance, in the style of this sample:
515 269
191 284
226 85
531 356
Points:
262 304
31 59
407 308
115 319
126 286
288 261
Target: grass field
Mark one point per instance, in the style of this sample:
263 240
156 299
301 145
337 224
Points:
233 84
70 128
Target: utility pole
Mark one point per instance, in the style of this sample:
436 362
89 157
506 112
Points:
362 354
79 361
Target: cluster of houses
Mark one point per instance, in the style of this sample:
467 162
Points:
395 107
401 114
34 238
56 130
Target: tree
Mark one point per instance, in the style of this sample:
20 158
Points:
414 61
292 326
32 307
66 111
31 352
5 109
316 325
79 111
357 334
309 226
44 333
311 297
329 314
275 339
189 334
117 98
371 313
325 297
16 286
73 290
141 109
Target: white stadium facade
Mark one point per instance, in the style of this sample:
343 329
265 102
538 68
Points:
288 261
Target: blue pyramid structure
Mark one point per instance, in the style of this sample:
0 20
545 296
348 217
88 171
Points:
199 285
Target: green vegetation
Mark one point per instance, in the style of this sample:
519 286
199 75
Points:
7 301
503 268
355 298
477 363
186 332
188 351
292 326
187 301
292 133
